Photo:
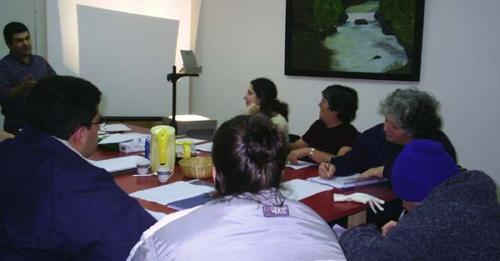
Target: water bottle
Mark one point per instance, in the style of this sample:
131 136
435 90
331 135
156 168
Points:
147 143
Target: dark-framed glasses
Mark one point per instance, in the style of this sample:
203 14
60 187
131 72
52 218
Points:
101 121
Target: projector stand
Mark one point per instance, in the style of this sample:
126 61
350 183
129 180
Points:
173 77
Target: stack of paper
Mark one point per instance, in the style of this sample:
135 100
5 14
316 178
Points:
346 182
300 164
122 137
118 164
115 127
172 192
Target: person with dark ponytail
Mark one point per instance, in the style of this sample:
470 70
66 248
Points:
262 96
249 219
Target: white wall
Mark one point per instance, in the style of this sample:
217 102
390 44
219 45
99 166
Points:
239 40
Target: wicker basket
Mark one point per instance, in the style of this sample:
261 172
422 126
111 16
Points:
196 167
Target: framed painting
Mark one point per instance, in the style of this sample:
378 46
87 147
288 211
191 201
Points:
354 38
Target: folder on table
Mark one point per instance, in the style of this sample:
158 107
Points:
191 202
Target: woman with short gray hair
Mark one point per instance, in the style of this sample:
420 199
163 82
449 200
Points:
413 110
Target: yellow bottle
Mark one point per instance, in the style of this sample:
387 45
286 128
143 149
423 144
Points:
162 147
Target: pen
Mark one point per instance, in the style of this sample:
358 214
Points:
402 214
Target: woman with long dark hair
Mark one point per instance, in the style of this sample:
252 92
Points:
262 96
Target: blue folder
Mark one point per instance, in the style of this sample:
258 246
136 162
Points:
191 202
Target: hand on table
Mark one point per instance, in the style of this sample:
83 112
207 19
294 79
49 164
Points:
377 172
296 154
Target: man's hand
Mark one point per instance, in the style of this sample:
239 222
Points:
22 88
326 170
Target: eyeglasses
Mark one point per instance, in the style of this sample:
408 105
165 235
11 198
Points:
101 121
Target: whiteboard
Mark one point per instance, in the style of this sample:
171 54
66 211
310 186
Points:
127 56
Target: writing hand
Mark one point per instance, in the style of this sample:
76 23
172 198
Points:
326 170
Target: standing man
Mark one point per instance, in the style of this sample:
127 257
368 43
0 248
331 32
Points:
54 204
19 72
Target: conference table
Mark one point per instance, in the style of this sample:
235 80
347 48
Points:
321 202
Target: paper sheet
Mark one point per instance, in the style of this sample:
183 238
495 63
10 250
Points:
298 189
206 147
115 127
171 192
300 164
121 137
192 140
346 182
118 164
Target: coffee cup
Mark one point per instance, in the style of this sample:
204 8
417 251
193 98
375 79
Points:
143 167
163 173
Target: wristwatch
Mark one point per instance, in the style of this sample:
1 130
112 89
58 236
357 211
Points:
311 152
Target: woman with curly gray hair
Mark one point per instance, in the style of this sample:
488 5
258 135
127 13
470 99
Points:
413 112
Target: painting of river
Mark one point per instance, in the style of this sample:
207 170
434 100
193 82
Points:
354 38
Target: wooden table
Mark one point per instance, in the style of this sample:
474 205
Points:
322 202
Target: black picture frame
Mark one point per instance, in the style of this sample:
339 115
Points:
324 38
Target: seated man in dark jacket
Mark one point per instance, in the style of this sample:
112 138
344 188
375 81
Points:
55 205
452 215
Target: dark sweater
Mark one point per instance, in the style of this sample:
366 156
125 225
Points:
459 220
373 150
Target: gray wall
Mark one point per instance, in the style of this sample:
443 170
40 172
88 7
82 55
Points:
239 40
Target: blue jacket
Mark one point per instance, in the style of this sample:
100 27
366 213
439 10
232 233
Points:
54 205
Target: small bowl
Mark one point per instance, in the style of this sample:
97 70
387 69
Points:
197 167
